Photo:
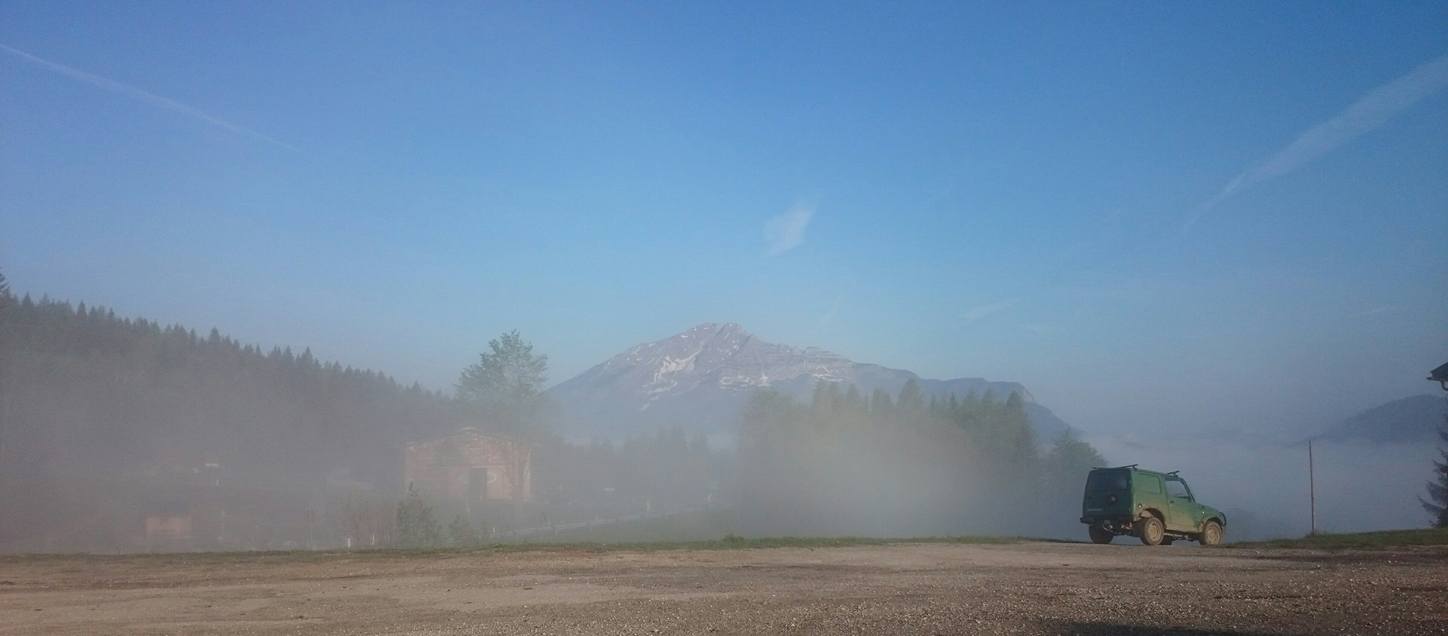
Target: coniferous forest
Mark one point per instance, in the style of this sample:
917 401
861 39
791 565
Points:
104 418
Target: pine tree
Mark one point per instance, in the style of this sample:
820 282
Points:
416 526
880 403
853 400
1021 438
910 398
1069 461
832 397
460 533
1437 502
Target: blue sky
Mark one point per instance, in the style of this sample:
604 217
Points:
1154 216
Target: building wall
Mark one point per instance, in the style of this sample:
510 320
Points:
168 528
471 467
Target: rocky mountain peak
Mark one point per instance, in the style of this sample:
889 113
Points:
699 378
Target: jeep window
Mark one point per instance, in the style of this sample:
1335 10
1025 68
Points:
1106 480
1178 488
1150 484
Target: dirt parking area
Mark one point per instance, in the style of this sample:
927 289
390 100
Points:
1039 588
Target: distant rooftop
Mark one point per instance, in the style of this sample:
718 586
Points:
1440 375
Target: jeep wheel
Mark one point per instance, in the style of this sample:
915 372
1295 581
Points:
1099 534
1151 531
1211 534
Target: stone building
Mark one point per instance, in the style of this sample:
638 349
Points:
470 468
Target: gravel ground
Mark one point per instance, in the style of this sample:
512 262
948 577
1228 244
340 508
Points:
1034 588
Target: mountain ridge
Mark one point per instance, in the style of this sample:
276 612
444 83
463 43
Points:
1412 419
699 379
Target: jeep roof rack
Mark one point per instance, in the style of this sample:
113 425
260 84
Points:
1130 466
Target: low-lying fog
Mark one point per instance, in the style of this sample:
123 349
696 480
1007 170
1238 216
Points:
1263 488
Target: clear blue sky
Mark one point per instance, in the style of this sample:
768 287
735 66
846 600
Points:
1216 216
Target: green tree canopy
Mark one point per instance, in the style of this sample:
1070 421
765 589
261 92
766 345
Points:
416 526
1071 459
910 397
506 384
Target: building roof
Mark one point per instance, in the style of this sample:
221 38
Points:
1440 374
466 433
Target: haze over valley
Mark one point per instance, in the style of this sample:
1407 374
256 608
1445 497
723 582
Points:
115 427
340 277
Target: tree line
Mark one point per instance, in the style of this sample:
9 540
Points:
904 465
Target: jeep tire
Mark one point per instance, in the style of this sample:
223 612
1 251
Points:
1099 535
1211 534
1150 530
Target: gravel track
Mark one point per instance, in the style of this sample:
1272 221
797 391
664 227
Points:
1033 588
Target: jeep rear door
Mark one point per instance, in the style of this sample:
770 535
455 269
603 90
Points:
1108 494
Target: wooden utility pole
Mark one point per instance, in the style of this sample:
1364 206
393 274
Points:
1311 488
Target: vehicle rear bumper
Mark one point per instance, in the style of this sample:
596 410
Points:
1111 523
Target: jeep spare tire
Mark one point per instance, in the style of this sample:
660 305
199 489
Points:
1151 531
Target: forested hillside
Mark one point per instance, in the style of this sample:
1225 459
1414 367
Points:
108 421
100 416
84 389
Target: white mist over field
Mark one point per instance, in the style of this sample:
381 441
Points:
1263 487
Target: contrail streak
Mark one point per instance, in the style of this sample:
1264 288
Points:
144 96
1365 115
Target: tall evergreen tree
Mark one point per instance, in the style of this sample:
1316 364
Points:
416 525
1018 436
1437 502
1070 460
910 398
853 400
880 403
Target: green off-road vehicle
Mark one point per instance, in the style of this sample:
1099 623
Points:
1157 508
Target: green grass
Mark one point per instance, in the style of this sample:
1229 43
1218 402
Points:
703 525
729 542
1358 540
703 530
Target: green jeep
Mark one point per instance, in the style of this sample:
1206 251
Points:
1156 507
